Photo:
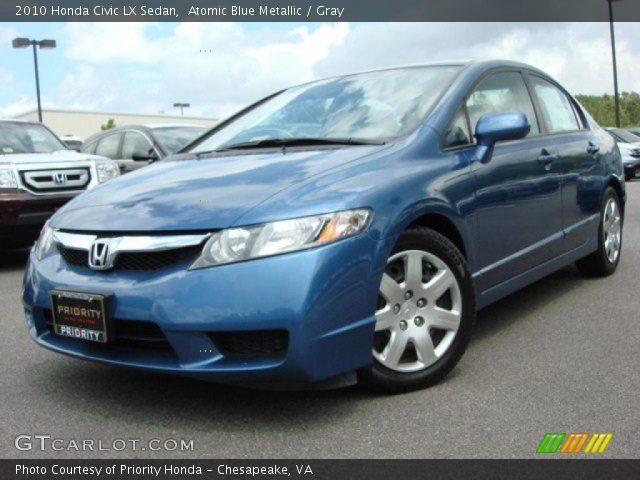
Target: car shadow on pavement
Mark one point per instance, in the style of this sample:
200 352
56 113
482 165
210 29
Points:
500 315
178 402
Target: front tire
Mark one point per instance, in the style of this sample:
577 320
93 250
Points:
604 261
425 314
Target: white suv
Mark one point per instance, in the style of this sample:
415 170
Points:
38 175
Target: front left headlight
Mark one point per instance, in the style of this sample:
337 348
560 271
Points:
44 243
240 244
107 170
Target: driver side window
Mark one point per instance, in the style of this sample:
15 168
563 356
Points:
501 93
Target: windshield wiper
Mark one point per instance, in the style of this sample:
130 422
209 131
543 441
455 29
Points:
290 142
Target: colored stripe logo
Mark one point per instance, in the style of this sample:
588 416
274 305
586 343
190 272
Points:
574 443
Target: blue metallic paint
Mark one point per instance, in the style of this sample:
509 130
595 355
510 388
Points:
518 220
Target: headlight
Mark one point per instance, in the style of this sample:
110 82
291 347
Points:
7 178
44 243
107 170
238 244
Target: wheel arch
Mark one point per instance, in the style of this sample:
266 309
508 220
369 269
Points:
616 184
443 225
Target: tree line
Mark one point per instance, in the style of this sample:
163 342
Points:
602 108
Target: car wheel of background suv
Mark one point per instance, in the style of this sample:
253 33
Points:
604 261
425 314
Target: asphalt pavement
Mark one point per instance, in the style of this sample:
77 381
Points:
562 355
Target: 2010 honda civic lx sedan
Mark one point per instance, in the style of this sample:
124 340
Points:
344 229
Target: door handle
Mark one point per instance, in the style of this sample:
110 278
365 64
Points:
546 159
592 148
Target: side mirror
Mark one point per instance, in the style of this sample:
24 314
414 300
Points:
498 127
144 156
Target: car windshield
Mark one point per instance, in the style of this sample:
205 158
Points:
173 139
623 136
370 106
17 137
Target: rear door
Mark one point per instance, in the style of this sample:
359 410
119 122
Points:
109 145
578 161
518 191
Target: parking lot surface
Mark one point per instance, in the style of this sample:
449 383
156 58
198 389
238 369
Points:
562 355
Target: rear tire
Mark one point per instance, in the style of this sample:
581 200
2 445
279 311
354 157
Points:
604 261
427 306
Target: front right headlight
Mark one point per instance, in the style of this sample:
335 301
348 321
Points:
44 243
7 178
246 243
107 169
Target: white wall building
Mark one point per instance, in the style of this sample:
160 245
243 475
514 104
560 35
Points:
82 123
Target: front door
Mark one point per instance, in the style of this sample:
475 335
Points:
518 193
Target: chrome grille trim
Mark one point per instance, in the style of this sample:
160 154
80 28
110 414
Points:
128 244
38 180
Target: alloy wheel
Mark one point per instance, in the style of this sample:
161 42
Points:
419 311
612 230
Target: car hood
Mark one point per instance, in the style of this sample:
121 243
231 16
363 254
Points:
61 156
198 194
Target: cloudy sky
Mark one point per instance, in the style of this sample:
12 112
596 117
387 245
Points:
218 68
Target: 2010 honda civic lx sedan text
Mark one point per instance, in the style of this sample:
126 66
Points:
344 229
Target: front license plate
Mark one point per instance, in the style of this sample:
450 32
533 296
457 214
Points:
80 315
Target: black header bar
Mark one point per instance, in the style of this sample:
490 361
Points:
318 10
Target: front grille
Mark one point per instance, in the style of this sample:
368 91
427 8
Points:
251 343
57 180
134 260
130 335
72 256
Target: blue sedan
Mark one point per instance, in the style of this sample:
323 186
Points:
343 230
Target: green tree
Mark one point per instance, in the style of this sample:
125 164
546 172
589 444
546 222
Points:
602 108
109 125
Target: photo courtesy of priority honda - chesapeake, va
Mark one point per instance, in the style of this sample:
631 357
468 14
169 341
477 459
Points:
339 231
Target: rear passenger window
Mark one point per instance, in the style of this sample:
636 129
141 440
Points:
108 146
502 92
557 110
457 134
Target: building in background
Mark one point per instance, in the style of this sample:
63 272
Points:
81 123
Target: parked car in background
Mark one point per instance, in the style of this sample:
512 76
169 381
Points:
346 228
38 174
635 131
72 142
135 146
629 146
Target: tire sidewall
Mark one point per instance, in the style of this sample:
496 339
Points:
438 245
608 265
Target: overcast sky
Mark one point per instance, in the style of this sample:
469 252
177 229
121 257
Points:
220 67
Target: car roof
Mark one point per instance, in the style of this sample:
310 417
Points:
480 65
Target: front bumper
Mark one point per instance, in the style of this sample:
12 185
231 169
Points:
23 214
324 298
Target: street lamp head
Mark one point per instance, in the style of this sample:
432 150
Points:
47 44
181 105
21 42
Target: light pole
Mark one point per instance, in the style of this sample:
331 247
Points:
22 42
181 106
615 62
